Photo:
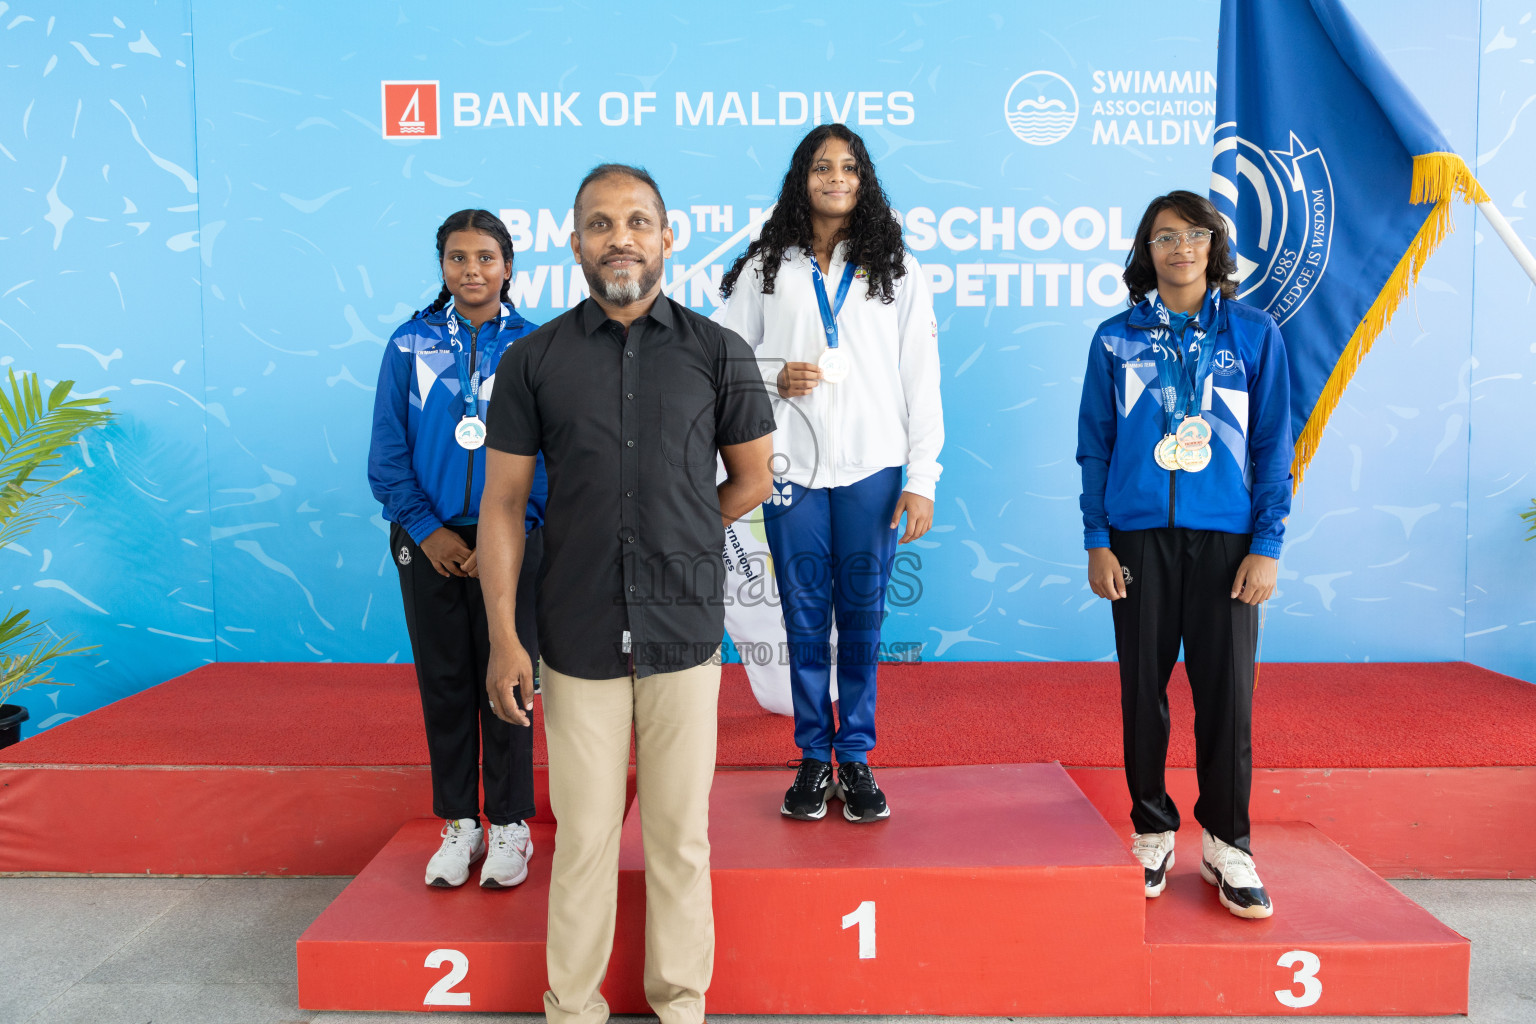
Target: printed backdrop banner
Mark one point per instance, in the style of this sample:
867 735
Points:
217 213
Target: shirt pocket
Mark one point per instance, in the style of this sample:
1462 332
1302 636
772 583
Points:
688 427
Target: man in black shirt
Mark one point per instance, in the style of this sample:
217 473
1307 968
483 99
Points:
629 396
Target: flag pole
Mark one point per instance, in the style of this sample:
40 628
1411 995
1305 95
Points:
1506 233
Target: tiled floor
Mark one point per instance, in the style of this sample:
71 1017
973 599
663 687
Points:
221 951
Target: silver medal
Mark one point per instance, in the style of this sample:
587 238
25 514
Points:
470 433
1166 452
835 365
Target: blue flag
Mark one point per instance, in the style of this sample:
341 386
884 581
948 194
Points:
1323 167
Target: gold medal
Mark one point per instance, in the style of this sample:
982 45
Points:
1194 432
1193 460
1166 452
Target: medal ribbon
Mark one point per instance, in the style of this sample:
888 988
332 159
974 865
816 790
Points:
469 378
1174 372
829 311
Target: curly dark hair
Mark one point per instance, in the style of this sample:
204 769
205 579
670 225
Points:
872 230
485 222
1140 275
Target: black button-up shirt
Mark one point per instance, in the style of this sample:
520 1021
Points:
629 427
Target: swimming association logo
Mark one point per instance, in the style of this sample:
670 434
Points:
1041 108
1224 363
1278 205
410 110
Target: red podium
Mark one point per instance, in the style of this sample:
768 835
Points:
993 890
391 942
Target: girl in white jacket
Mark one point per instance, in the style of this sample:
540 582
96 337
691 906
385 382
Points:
843 327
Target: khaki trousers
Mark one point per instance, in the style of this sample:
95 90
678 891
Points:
587 724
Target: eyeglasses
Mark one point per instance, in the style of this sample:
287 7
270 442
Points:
1196 237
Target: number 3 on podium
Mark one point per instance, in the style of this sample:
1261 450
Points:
442 993
1307 965
864 917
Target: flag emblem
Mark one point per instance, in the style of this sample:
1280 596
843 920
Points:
410 110
1283 248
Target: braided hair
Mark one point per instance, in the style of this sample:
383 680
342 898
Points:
872 232
485 222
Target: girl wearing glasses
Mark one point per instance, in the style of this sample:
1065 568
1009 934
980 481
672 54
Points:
1184 439
842 323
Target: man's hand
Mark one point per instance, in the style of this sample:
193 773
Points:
471 566
1255 579
1104 575
446 551
798 379
509 684
919 512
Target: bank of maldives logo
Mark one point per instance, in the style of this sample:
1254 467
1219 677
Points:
410 110
1278 207
1041 108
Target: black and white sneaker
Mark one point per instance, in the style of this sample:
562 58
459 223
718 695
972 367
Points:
1155 852
806 800
863 802
1236 880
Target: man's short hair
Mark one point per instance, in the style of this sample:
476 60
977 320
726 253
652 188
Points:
602 171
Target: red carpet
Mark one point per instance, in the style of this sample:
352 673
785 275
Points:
1305 715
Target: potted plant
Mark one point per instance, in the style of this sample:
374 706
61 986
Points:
34 432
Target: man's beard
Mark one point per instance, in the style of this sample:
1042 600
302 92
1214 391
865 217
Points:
625 288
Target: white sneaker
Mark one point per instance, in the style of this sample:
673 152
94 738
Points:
1236 880
508 850
463 844
1155 851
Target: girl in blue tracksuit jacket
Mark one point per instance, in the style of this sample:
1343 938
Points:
1184 439
426 466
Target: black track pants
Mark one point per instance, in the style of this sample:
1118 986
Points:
450 641
1179 588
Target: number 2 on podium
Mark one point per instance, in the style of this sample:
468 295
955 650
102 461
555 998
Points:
442 993
1307 965
864 917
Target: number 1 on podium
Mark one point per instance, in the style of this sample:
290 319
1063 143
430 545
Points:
864 917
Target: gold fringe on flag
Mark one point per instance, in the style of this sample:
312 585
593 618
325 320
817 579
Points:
1437 178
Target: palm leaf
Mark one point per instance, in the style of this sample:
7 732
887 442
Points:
35 667
15 628
21 510
34 431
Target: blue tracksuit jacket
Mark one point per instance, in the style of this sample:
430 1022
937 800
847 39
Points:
415 467
1246 488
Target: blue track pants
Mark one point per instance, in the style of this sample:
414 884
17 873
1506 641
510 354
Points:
832 550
